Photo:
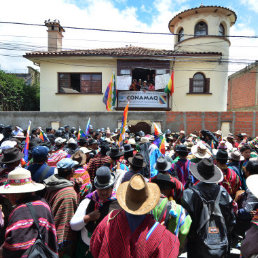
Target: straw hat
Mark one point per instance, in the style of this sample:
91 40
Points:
144 139
235 155
19 181
131 141
251 183
138 197
19 135
85 150
200 151
80 157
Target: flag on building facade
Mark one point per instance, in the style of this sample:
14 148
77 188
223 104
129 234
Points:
123 126
87 130
27 142
170 88
109 98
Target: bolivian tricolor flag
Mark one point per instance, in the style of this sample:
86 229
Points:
170 88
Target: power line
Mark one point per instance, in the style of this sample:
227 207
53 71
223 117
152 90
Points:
126 31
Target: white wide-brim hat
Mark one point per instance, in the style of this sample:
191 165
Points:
251 183
19 181
201 151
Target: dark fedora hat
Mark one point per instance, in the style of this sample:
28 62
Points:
128 148
11 155
137 161
104 178
221 155
163 178
162 164
115 152
181 149
206 171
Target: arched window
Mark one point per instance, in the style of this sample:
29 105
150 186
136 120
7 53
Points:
199 84
181 35
221 30
201 29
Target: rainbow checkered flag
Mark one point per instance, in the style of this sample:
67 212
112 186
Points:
109 98
27 143
123 125
87 130
157 130
43 136
160 142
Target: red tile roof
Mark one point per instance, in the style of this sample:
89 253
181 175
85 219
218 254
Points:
130 51
204 7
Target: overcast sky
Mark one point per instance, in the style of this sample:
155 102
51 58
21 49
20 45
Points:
135 15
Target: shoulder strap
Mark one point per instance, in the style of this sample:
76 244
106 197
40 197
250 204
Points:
34 216
159 210
151 230
44 173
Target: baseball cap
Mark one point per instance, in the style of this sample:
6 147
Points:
66 163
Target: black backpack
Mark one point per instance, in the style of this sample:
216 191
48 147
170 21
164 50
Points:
39 249
212 232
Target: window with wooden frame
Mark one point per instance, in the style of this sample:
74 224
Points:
180 36
199 84
84 83
221 30
201 29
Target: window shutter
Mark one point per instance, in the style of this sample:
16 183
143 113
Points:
191 85
207 85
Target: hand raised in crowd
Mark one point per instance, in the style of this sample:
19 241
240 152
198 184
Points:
92 216
239 195
79 181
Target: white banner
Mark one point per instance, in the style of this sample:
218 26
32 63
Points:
124 82
161 81
141 99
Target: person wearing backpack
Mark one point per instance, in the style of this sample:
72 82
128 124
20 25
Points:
210 207
30 229
169 213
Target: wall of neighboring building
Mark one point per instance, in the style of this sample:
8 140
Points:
243 90
51 101
176 121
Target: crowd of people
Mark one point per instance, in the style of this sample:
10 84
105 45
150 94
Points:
142 86
89 197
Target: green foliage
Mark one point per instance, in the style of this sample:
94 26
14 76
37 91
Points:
31 98
15 95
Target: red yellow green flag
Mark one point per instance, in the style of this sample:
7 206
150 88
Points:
170 88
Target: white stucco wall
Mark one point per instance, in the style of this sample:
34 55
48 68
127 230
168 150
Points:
50 101
213 20
216 101
216 71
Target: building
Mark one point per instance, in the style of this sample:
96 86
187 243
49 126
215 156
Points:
30 78
243 89
76 80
